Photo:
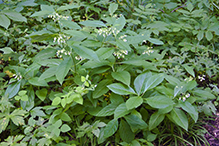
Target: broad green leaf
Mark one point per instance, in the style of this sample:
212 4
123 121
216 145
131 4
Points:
112 8
134 102
179 117
204 94
48 73
6 50
95 64
56 101
189 70
159 101
41 13
155 41
153 81
63 69
14 15
37 112
125 132
35 81
47 8
165 110
155 119
42 93
77 98
121 111
135 122
123 45
122 76
17 120
85 52
200 35
140 81
75 34
93 23
209 35
12 89
4 21
65 128
189 109
116 99
121 89
177 90
110 128
4 123
119 23
172 80
70 24
67 7
107 110
44 54
101 88
104 53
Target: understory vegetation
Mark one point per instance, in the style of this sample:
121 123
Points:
108 72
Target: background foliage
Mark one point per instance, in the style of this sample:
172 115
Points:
103 72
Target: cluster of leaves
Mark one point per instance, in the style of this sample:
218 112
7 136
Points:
107 72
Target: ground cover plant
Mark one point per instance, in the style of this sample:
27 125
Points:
107 72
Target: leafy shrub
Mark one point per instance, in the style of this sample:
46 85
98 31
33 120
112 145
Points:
107 72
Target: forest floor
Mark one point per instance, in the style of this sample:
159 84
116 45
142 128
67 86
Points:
213 128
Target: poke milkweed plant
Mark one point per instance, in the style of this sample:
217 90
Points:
107 72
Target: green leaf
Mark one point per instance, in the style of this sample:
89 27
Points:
119 23
134 102
155 119
121 89
12 89
179 117
65 128
17 120
121 111
77 98
140 82
155 41
209 35
4 123
110 128
85 52
107 110
63 69
125 132
204 94
200 35
67 7
93 23
56 101
44 54
135 122
190 109
104 53
14 15
70 24
101 88
123 45
41 13
41 94
112 8
153 81
35 81
4 21
159 101
122 76
6 50
48 73
189 70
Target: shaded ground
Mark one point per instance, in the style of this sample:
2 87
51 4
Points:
213 128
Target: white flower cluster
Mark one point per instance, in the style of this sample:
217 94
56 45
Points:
123 37
108 31
188 79
57 17
201 78
62 52
184 97
120 54
78 58
17 77
148 51
60 39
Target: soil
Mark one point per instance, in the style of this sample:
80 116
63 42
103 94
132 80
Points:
213 128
